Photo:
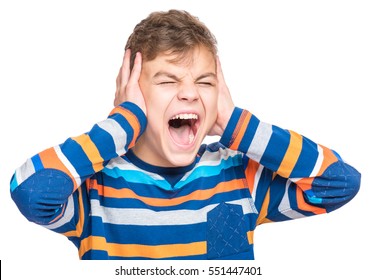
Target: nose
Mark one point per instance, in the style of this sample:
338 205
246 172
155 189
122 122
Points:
188 93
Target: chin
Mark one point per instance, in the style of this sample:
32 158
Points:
181 159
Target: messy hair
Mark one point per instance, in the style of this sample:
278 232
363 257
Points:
173 32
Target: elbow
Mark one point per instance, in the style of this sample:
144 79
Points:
42 196
349 178
351 187
337 186
354 182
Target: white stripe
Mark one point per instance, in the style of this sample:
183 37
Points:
24 171
319 162
256 180
213 159
146 217
208 159
295 179
67 216
118 134
285 206
247 204
260 141
68 165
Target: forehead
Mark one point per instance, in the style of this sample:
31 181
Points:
196 61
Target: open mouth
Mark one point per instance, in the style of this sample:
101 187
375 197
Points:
183 128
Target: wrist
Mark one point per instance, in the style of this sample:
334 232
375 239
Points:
230 131
225 119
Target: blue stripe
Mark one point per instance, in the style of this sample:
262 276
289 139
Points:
104 142
276 148
96 254
37 162
143 185
13 183
124 203
77 157
135 177
312 198
123 122
139 177
150 235
262 187
305 164
276 193
102 255
227 135
249 134
211 171
137 111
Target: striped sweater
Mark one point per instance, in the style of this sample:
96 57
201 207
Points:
111 205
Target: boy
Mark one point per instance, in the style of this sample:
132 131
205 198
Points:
141 185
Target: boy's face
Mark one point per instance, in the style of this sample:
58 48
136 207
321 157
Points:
181 103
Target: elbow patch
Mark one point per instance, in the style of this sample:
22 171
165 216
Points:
43 195
336 186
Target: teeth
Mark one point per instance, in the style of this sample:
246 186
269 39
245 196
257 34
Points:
185 117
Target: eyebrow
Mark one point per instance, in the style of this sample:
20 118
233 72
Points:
165 74
206 75
176 78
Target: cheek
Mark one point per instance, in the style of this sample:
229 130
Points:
210 102
154 101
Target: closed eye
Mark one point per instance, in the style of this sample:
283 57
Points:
166 83
205 84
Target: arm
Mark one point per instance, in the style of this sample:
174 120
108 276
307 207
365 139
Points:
300 177
43 185
305 178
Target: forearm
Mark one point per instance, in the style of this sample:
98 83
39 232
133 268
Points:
287 153
318 171
51 176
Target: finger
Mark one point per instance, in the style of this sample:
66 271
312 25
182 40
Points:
136 71
125 69
220 76
118 81
122 77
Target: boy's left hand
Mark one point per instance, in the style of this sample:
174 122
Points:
225 104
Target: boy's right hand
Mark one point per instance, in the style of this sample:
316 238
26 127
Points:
127 86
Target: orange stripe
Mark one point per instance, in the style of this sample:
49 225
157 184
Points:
81 218
250 173
305 206
292 154
50 159
196 195
305 183
90 150
240 134
250 236
60 215
133 121
264 210
329 158
136 250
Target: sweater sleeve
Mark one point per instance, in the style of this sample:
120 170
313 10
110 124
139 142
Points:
47 186
292 176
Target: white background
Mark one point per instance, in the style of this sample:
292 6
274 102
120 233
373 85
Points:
309 66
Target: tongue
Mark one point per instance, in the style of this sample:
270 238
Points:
182 135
